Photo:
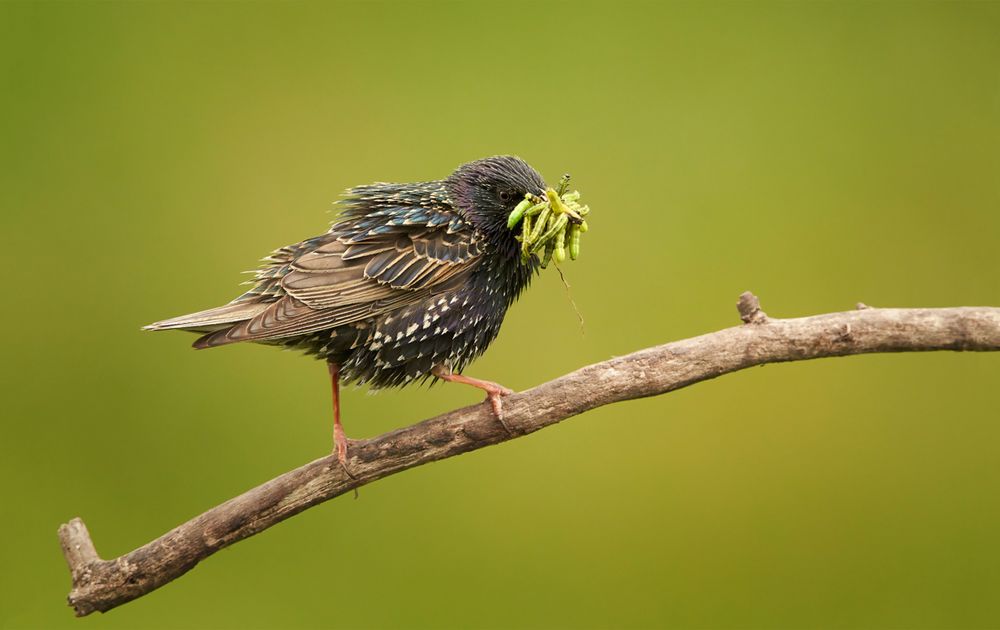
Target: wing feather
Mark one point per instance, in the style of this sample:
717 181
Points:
374 264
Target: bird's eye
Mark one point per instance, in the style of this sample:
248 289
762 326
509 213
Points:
505 195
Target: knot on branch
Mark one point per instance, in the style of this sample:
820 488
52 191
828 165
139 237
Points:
749 308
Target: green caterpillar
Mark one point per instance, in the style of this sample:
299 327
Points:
553 223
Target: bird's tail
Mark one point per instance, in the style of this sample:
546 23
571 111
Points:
213 319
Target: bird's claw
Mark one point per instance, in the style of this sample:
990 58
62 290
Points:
340 444
494 395
341 451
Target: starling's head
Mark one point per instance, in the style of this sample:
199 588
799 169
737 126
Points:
487 190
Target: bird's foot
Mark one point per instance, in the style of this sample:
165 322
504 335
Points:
494 391
340 445
494 394
494 397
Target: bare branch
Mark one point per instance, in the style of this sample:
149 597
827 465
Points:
100 585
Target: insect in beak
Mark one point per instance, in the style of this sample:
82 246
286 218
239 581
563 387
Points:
551 223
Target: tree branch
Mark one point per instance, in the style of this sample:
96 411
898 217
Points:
100 585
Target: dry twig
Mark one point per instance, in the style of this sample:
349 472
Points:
104 584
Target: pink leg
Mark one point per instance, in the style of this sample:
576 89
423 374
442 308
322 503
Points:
493 390
340 440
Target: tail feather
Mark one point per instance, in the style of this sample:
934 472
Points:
217 338
213 319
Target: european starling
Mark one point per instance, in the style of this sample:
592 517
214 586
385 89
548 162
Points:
411 282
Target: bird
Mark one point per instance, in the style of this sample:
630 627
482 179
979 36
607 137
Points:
411 282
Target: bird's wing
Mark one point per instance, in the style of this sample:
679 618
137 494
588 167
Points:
364 267
350 271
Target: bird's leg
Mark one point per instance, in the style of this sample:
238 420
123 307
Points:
493 390
340 441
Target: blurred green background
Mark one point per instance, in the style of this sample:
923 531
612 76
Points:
816 153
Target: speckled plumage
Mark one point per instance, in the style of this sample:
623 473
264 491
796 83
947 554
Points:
411 276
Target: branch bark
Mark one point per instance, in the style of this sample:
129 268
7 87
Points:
100 585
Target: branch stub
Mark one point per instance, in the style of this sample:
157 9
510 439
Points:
749 308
